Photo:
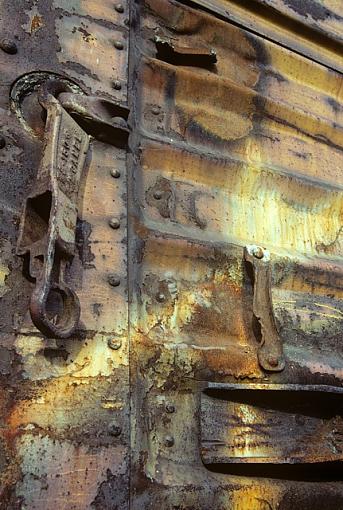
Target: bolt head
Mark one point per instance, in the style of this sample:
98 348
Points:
273 361
258 252
169 441
113 280
114 223
116 84
115 173
158 195
118 45
160 297
114 343
2 142
170 408
119 8
8 46
114 429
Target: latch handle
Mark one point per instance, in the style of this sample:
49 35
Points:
270 352
47 230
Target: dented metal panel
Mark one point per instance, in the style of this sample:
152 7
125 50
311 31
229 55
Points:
192 155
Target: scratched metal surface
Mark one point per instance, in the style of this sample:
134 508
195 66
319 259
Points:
161 398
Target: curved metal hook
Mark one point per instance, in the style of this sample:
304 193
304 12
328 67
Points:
58 326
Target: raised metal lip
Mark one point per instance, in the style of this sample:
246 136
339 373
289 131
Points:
274 387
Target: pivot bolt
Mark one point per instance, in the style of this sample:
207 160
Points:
119 8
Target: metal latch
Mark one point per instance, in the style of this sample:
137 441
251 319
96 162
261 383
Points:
48 224
270 352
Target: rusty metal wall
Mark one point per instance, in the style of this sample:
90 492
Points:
236 266
205 370
64 403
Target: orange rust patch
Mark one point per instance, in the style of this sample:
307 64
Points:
36 23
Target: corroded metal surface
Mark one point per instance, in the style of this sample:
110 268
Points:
65 403
246 152
271 425
309 27
161 397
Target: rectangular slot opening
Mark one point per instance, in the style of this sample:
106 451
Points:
292 432
37 216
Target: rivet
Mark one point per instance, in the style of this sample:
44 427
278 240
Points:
115 173
8 46
273 361
116 84
155 110
158 195
258 252
114 223
170 408
114 429
119 8
169 441
113 280
118 45
114 343
160 297
2 142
